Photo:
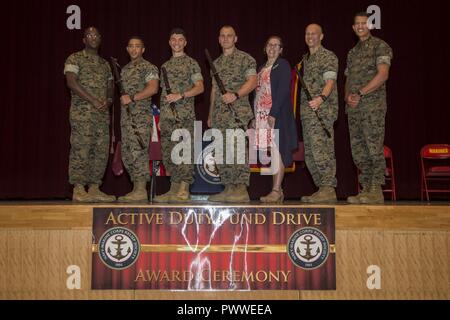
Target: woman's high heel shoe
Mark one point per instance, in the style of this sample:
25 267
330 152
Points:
274 196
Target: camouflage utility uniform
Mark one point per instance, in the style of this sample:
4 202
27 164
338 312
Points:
182 73
234 71
135 76
367 121
319 149
89 137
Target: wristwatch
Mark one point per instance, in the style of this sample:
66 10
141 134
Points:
182 95
236 95
324 97
132 99
360 94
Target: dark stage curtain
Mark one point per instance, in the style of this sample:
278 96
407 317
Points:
34 125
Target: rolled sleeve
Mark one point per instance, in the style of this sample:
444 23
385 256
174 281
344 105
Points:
250 67
384 53
330 75
71 68
196 77
196 72
151 76
384 60
151 72
330 66
250 72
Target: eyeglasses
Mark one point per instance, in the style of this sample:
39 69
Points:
93 36
273 45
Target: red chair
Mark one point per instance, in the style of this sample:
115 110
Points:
389 175
434 168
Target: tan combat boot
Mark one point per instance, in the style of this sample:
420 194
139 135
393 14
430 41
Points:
99 196
374 196
139 193
220 197
166 196
275 196
80 195
326 194
306 198
182 194
238 193
356 199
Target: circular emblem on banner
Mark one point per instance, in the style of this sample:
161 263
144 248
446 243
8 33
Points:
207 167
119 248
308 248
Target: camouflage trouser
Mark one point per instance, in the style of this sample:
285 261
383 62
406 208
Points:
89 144
178 172
234 173
224 119
135 158
319 149
366 124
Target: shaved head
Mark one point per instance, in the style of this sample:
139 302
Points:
314 27
227 38
313 37
228 28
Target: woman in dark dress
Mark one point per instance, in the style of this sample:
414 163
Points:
273 110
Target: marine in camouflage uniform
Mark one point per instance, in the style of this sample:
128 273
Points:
90 81
140 82
367 71
237 71
320 75
185 81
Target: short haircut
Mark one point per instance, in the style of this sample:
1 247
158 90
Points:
177 31
87 30
360 14
137 38
227 26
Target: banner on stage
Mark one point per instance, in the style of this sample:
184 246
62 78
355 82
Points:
214 248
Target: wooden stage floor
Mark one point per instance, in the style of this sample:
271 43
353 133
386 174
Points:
410 242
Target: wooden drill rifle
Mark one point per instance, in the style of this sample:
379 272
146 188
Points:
118 81
309 97
169 91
